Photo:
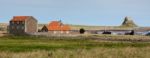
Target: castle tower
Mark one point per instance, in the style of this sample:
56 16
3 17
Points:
128 22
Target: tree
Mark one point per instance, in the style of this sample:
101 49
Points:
82 31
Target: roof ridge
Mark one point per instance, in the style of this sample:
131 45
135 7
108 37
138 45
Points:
20 18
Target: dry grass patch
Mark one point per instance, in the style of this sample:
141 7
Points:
127 52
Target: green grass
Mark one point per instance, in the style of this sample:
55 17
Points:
71 47
32 43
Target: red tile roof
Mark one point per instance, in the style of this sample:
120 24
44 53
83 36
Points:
65 28
20 18
58 26
54 25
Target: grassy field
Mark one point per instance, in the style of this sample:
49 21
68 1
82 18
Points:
70 47
88 27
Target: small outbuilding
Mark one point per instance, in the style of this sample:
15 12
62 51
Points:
44 29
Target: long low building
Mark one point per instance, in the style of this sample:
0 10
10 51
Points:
56 27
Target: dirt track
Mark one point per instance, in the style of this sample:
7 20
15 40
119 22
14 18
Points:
120 39
2 33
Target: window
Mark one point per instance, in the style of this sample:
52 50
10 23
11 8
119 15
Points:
14 22
13 27
22 27
17 27
11 22
23 22
18 22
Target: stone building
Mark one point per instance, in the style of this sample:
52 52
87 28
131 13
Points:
23 25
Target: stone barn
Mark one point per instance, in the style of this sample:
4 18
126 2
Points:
23 25
57 27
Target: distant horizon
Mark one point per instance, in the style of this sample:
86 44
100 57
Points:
78 12
77 24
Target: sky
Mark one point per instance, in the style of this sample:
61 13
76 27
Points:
79 12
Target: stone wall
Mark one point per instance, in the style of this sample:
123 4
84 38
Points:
16 27
49 34
31 25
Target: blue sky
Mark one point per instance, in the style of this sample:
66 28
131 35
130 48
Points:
81 12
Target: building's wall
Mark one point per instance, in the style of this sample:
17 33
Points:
31 25
16 27
59 32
